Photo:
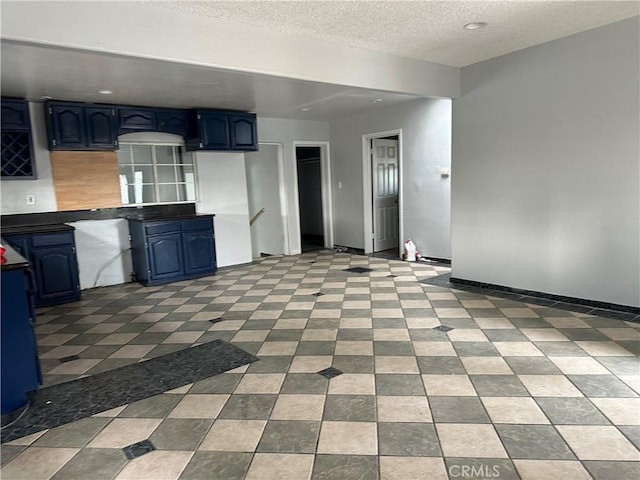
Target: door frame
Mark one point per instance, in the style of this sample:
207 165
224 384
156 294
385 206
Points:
367 187
282 193
325 185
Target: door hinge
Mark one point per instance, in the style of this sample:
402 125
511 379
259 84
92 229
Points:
200 144
50 111
73 249
54 142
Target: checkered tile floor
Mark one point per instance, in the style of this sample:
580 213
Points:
508 391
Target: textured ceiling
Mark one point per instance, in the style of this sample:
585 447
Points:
426 30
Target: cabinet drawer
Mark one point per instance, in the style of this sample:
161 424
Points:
61 238
197 224
162 227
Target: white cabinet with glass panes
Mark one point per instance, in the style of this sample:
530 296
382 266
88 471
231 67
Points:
156 173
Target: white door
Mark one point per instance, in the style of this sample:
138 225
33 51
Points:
384 169
263 188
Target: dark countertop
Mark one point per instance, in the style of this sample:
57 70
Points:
14 259
157 218
48 228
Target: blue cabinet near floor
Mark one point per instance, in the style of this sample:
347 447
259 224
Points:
54 265
76 126
21 372
165 251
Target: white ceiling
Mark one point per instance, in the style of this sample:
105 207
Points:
425 30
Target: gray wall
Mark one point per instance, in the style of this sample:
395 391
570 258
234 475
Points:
426 130
546 169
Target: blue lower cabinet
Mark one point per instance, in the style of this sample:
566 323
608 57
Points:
20 365
54 275
165 251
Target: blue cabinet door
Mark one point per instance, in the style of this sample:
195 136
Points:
100 127
244 133
173 121
67 127
15 115
165 256
199 252
57 274
136 120
214 131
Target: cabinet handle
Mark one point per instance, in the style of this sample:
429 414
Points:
200 144
54 141
50 111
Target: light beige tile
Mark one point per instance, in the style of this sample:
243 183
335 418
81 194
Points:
486 366
494 323
621 411
396 364
319 335
199 406
37 463
290 323
331 297
298 407
448 385
604 349
326 313
174 301
452 313
467 335
111 413
105 328
348 438
598 443
567 322
549 386
227 325
299 306
136 309
415 303
355 323
280 466
353 384
403 409
233 435
277 299
441 296
181 390
183 337
632 380
470 440
477 304
28 439
310 363
265 314
517 349
412 468
544 335
520 410
384 296
244 307
354 348
278 348
391 334
434 349
543 469
132 351
579 366
250 336
422 322
519 313
260 383
63 351
75 367
156 465
125 431
56 339
387 313
630 334
355 304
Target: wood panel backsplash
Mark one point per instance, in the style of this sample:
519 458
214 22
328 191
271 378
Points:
85 180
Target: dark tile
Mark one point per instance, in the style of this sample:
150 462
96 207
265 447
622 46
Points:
316 348
530 322
498 386
560 349
355 334
76 434
571 411
440 365
133 327
165 349
158 406
93 463
601 386
631 346
289 436
584 334
475 349
485 313
180 434
388 323
613 470
457 410
284 335
271 364
399 384
330 372
599 322
427 335
505 335
9 452
345 467
148 338
408 439
632 432
481 468
354 363
226 465
532 366
621 365
248 407
309 383
350 408
539 442
393 348
217 384
194 326
86 339
138 449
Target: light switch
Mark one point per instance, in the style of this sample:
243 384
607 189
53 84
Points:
339 184
444 172
31 199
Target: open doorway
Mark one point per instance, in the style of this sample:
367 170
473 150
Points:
382 155
308 162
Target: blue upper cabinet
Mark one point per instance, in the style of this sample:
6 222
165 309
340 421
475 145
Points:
220 130
15 115
136 120
173 121
244 132
18 160
81 127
